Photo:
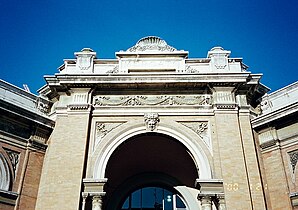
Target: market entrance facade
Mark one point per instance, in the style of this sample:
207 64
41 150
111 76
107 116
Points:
152 121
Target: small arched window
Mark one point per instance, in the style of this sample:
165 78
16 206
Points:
4 174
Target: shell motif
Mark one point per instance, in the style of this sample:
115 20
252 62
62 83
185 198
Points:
151 43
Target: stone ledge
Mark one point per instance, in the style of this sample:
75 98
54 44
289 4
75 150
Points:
8 197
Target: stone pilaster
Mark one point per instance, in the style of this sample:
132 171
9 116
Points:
63 168
251 162
230 149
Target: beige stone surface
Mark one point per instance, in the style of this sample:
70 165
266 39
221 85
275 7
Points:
234 173
62 172
253 174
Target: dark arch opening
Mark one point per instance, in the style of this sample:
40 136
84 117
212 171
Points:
149 159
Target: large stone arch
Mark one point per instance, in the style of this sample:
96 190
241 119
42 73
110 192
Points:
200 155
150 159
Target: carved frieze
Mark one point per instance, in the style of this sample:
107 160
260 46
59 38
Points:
151 121
157 100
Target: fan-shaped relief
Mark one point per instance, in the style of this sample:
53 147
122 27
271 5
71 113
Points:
151 43
201 129
14 158
152 100
103 128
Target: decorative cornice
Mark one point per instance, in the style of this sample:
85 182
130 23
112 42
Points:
151 43
155 100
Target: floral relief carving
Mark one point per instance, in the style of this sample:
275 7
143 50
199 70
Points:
102 129
201 129
153 100
198 127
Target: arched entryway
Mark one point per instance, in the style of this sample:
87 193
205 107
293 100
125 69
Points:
148 160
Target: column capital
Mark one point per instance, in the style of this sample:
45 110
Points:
210 186
205 199
94 186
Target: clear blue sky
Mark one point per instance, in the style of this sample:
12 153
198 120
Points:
37 35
